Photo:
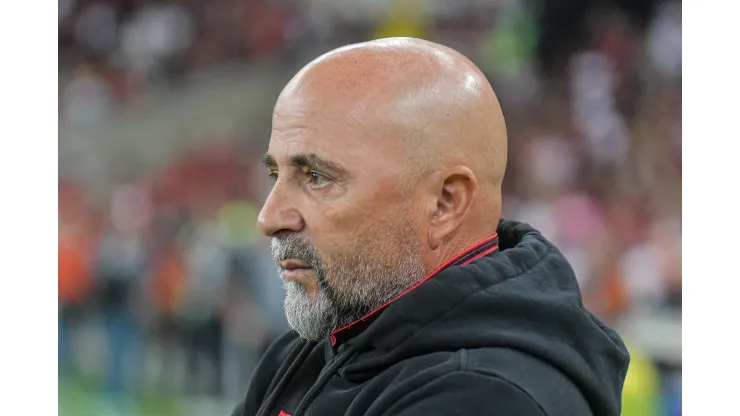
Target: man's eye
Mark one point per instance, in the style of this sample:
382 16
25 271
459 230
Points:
317 180
273 175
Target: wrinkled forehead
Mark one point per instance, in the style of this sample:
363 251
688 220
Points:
351 131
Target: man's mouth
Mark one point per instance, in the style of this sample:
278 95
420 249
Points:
291 268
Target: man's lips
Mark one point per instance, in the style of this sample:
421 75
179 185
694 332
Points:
293 264
294 267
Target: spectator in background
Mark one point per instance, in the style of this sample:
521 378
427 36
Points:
66 7
593 86
652 266
168 289
409 18
266 26
254 312
121 263
236 218
156 35
641 393
74 286
200 313
664 40
508 52
96 28
119 270
88 98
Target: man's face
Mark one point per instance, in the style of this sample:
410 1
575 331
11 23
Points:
341 214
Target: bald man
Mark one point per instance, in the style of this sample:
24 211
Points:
407 294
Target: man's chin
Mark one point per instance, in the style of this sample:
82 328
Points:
299 292
308 313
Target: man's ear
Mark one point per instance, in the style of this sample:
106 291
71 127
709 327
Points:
452 193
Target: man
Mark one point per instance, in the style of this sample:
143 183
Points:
406 292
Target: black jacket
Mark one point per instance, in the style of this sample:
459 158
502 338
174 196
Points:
496 331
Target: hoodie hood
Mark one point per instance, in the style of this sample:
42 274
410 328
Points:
523 297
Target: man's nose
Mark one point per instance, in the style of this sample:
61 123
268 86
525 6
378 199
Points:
278 215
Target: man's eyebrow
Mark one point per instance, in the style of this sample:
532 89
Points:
308 161
313 162
269 161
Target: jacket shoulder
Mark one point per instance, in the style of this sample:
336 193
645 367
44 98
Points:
545 384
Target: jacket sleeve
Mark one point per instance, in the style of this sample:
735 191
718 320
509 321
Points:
466 393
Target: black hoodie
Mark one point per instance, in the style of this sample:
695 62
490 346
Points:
499 330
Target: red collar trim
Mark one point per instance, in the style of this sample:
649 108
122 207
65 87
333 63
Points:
467 256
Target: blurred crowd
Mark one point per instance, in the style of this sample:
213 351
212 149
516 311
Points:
169 263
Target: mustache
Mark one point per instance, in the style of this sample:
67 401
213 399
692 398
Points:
291 246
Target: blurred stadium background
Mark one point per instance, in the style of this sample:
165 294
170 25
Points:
166 292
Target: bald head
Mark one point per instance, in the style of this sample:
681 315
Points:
388 158
428 103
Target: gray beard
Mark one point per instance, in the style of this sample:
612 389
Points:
360 284
312 317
